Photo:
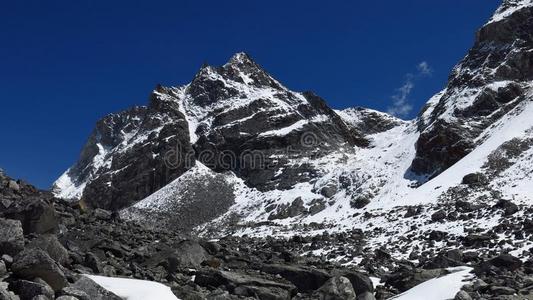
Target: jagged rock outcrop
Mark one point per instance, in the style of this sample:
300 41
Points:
483 87
230 118
124 159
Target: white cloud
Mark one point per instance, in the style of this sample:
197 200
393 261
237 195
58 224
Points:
401 105
424 69
400 101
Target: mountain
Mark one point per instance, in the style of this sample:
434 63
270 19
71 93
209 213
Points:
234 152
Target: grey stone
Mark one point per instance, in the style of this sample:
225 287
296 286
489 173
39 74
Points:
27 290
462 295
52 246
360 282
92 261
305 279
74 292
246 285
11 237
328 191
33 263
336 288
13 185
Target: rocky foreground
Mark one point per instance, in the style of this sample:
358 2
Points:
47 243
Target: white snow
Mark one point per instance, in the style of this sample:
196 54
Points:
442 288
285 130
514 124
505 11
65 188
134 289
169 192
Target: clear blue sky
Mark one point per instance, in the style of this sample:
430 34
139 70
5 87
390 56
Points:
65 64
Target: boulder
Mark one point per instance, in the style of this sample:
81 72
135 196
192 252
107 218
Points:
93 290
305 279
186 254
27 290
503 262
11 237
13 185
336 288
52 246
438 216
285 211
509 208
475 179
73 292
407 278
33 263
462 295
360 201
328 191
92 261
361 283
245 285
37 216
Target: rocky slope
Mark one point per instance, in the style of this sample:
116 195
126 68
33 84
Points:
493 78
48 245
236 153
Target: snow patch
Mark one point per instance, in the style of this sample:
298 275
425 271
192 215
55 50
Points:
134 289
442 288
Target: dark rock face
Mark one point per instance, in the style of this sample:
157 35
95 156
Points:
242 119
124 159
33 263
485 85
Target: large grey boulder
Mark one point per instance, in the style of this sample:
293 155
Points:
36 216
245 285
360 282
52 246
11 237
305 279
336 288
33 263
185 254
27 290
93 290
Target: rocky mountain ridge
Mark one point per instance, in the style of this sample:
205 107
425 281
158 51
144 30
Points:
235 152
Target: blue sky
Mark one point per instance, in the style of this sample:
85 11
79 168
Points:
65 64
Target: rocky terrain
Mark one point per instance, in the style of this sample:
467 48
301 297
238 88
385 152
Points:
236 152
233 186
47 243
